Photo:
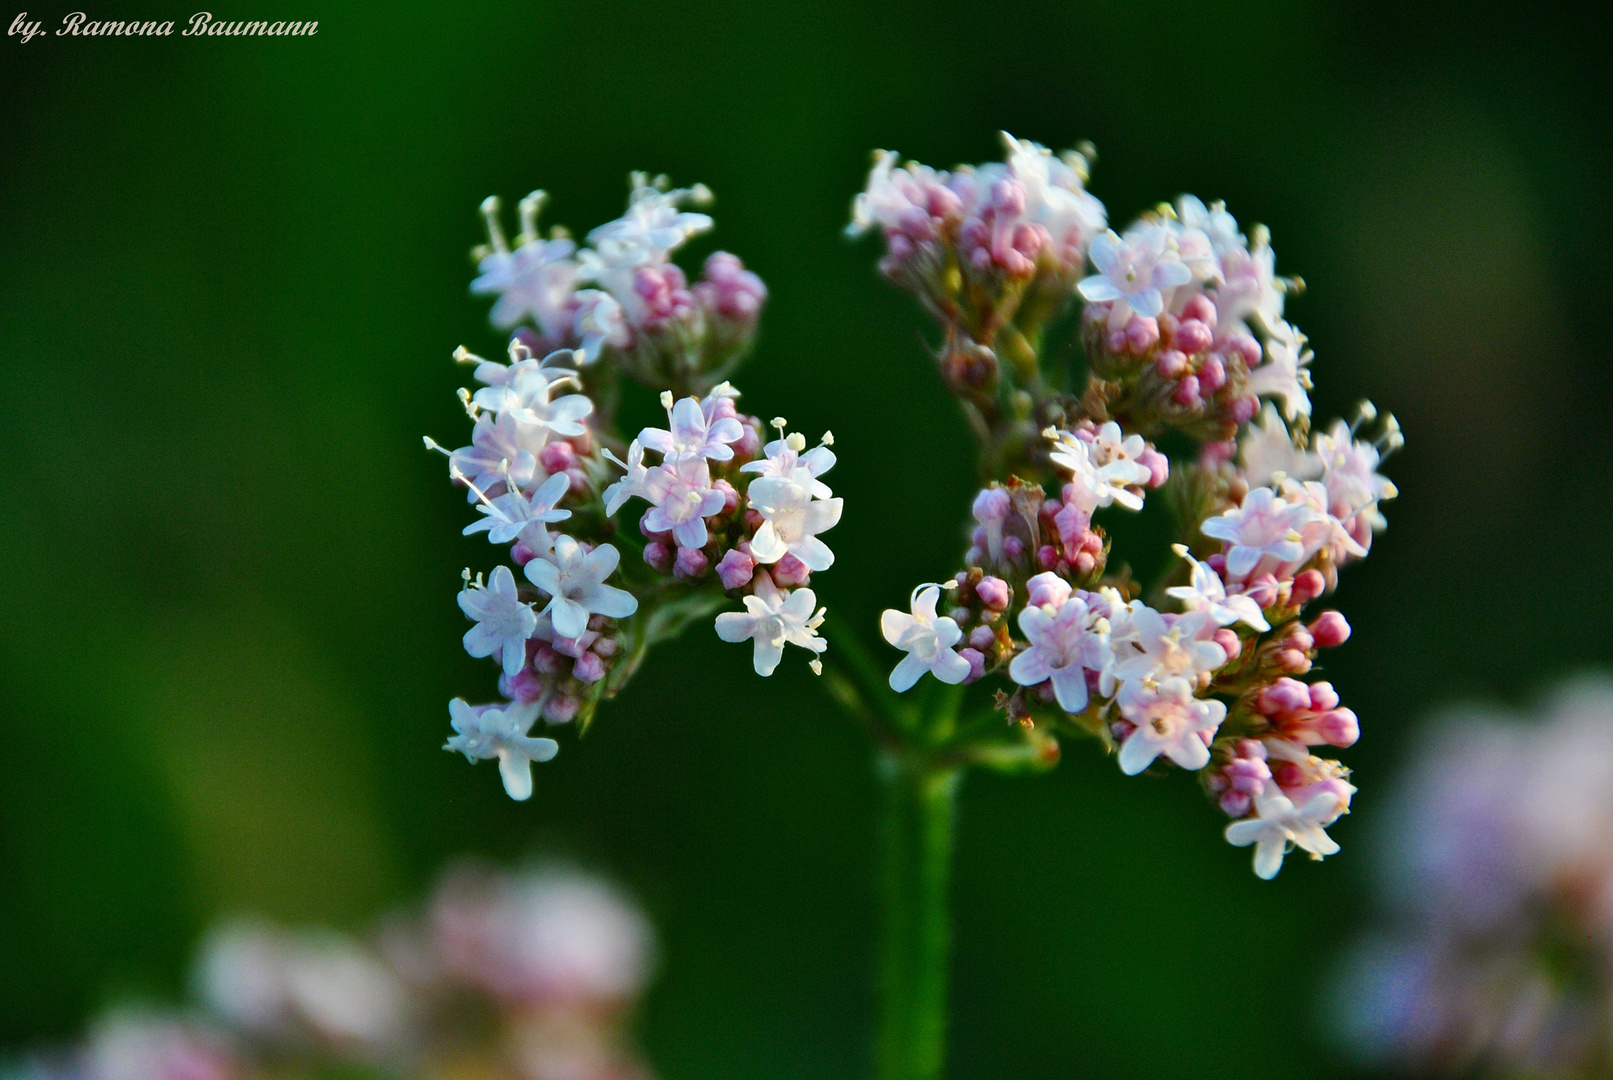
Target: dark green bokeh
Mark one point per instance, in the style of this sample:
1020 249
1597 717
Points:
231 275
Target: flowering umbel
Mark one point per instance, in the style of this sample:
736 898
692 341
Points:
735 509
1183 329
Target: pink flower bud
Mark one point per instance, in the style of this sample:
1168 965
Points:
548 661
1118 341
1047 556
1293 661
1308 585
649 533
748 444
607 647
659 555
993 593
1323 697
991 505
1229 641
561 709
1084 562
961 615
1234 804
1262 589
1243 410
1013 548
1157 464
579 480
1284 696
1187 392
557 457
736 569
1171 363
730 497
1200 307
526 687
1212 375
1047 590
1300 638
589 668
789 572
1247 348
1141 334
522 554
690 564
1216 454
982 639
1192 336
1330 630
977 663
575 646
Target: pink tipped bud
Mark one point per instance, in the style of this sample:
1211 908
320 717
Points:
651 534
659 555
1192 336
548 661
1234 804
1187 392
575 646
789 572
1171 363
1300 638
1323 697
557 457
589 668
1338 727
1308 585
1212 375
1200 307
993 593
1157 464
690 564
1084 562
748 445
607 647
1047 590
1117 341
1047 556
1243 410
1330 630
982 639
991 505
1013 548
961 615
1284 696
1142 334
579 480
730 497
736 569
1229 641
522 554
1293 661
977 663
1247 348
561 709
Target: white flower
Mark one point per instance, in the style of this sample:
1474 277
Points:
792 519
1103 472
1350 473
1055 195
1157 648
575 582
1169 720
783 459
773 618
1218 226
1206 592
1250 285
927 640
486 732
1065 645
1323 529
525 395
493 444
1281 823
514 514
1265 525
535 279
599 322
1268 449
683 498
691 433
888 198
1137 271
648 232
630 485
1284 374
503 623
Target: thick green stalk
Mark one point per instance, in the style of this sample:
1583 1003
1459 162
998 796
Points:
916 866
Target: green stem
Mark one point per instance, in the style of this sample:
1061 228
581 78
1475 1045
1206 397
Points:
916 865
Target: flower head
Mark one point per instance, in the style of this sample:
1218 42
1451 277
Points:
927 639
485 732
503 623
1065 644
575 581
683 497
692 432
1279 823
1265 526
1170 721
774 618
1206 592
1137 270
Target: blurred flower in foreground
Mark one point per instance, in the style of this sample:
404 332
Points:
1499 878
525 976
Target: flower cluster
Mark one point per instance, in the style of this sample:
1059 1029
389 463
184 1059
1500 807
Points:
731 515
1183 329
526 976
1492 948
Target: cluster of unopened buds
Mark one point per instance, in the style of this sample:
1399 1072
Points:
508 976
735 506
1184 334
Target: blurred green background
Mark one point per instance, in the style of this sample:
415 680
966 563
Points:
231 276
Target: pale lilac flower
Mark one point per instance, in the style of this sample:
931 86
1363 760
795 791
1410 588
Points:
599 322
683 497
896 198
1264 526
525 395
1101 476
1267 449
927 639
497 453
1324 529
535 280
1350 472
1169 720
792 519
783 459
1218 226
651 228
1250 288
1055 195
632 483
514 514
503 623
692 433
1157 647
774 618
1136 271
1284 374
1279 824
575 582
486 732
1064 645
1207 592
